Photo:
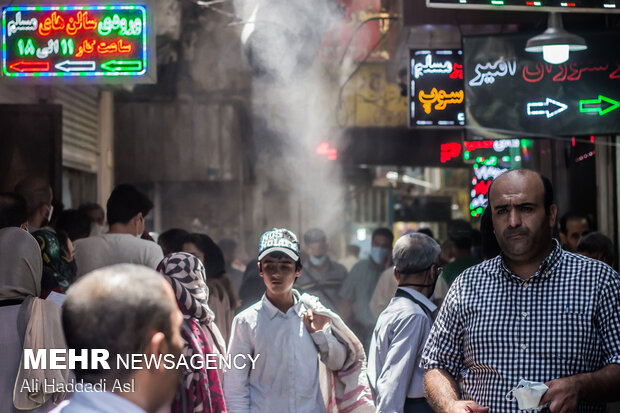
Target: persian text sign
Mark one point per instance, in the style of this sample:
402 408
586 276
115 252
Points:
515 91
436 88
74 41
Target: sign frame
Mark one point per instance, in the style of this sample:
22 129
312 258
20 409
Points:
578 97
528 8
456 123
147 58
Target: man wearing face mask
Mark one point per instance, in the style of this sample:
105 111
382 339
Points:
359 286
320 276
394 371
95 214
126 211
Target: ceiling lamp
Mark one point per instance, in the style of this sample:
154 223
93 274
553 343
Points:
555 43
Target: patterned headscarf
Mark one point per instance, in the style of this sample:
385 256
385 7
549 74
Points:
200 389
56 270
186 275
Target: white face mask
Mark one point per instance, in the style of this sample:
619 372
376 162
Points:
49 215
528 394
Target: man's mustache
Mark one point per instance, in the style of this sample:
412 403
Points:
513 232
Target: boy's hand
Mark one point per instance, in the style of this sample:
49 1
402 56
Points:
315 322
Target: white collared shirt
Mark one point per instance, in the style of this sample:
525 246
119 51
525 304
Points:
286 375
97 402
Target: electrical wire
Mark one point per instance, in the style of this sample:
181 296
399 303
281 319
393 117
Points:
357 28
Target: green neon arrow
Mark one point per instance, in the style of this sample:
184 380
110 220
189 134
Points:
122 66
596 105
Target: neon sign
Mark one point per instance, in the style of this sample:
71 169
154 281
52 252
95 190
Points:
490 159
64 41
522 94
566 71
436 94
441 97
596 106
548 108
325 150
449 151
486 73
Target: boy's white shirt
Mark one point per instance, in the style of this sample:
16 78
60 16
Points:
286 378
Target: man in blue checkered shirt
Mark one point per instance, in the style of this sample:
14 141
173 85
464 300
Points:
535 312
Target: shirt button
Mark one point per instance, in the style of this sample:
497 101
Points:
523 346
525 285
524 314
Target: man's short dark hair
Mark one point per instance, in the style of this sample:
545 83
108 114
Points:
75 223
86 207
116 308
314 235
597 243
126 202
570 216
383 232
172 240
547 188
13 210
460 233
427 231
278 255
214 263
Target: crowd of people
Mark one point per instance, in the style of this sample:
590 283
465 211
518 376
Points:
522 314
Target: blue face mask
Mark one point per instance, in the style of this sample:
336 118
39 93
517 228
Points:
317 261
378 254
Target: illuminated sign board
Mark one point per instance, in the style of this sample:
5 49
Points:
436 96
75 41
489 159
591 6
514 91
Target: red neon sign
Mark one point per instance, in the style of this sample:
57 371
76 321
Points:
324 150
450 151
482 187
473 145
29 67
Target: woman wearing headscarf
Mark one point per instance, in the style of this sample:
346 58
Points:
58 265
223 298
37 321
200 390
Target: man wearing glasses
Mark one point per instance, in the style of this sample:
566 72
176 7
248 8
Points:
394 369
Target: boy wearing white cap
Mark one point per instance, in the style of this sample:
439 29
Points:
285 335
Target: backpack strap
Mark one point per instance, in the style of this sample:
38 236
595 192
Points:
427 311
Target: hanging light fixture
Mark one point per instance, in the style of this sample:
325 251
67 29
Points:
555 43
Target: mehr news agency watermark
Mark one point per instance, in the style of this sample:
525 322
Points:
61 359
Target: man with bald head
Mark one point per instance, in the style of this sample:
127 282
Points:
535 327
124 309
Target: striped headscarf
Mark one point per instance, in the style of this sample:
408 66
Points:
186 275
200 390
